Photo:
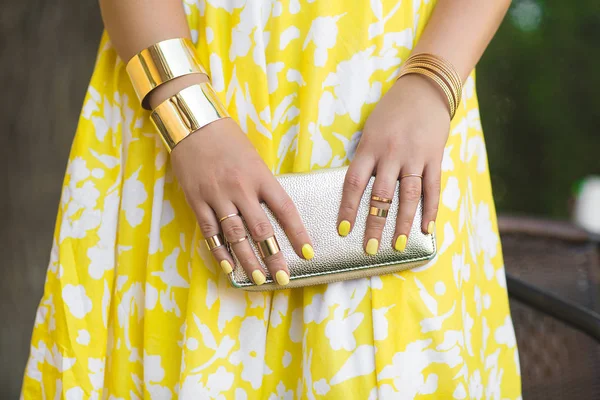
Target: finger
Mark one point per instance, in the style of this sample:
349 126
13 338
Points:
260 228
431 197
235 233
410 194
285 210
357 178
383 188
209 226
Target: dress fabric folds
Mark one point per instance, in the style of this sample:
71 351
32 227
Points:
135 307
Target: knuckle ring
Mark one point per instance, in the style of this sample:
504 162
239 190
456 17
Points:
237 241
381 199
268 247
411 176
378 212
228 216
214 241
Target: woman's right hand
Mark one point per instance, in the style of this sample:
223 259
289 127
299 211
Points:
221 173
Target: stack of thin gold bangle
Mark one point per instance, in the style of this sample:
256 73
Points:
438 70
187 111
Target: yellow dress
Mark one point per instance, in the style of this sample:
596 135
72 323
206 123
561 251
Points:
134 306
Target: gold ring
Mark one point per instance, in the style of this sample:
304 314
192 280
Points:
238 241
411 176
381 199
268 247
378 212
214 241
228 216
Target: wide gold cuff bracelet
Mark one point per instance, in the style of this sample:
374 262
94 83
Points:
186 112
161 63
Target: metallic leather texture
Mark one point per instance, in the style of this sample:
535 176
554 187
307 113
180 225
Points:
317 196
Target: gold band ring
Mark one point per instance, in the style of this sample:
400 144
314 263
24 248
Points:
411 176
378 212
214 241
381 199
268 247
228 216
238 241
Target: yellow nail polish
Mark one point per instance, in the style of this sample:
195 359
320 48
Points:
282 277
226 267
372 246
258 277
307 251
344 228
430 227
400 244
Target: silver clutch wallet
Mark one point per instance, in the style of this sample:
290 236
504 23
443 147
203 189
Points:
317 195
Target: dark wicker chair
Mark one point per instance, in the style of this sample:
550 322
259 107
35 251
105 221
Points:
553 279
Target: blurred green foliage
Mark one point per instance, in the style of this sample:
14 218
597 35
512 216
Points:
539 92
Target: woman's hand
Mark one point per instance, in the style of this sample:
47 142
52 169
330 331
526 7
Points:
221 174
405 134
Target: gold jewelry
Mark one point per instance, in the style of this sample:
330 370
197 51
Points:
337 260
441 67
411 176
186 112
238 241
381 199
161 63
441 63
444 77
378 212
214 241
441 72
228 216
268 247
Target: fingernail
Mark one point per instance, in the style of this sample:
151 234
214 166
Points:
430 227
282 277
344 228
226 267
307 252
400 244
372 246
258 277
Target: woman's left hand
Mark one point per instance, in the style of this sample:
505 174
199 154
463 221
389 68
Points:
405 134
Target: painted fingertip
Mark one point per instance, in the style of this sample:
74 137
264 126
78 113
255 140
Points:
372 246
258 277
344 228
430 227
400 244
282 277
307 252
226 266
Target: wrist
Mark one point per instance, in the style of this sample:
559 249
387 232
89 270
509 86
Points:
422 88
